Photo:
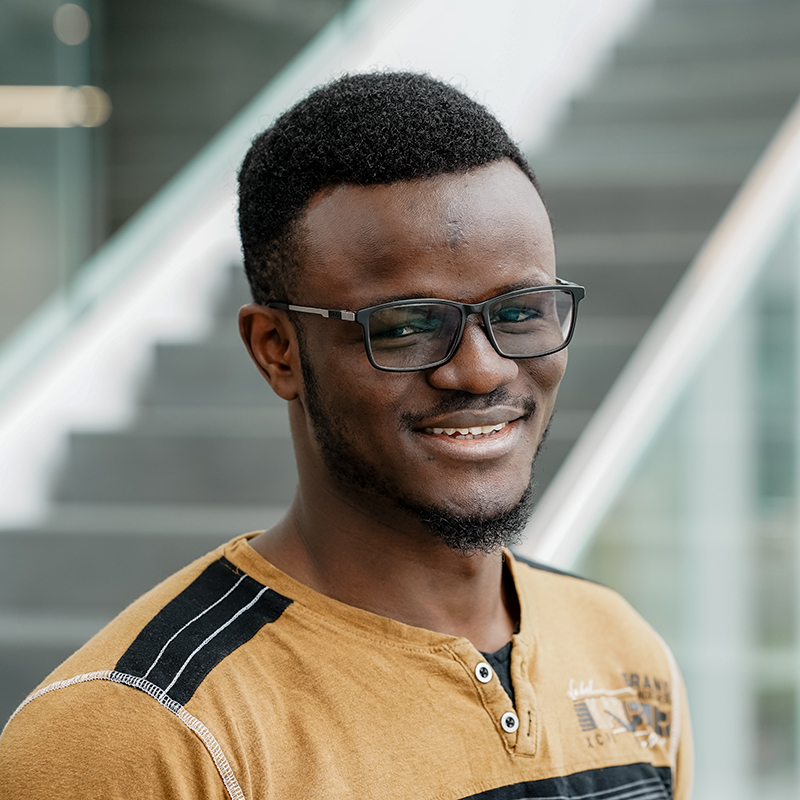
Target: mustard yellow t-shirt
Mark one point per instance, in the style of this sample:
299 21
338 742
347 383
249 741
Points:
232 680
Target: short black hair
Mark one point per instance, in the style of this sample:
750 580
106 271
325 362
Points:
374 128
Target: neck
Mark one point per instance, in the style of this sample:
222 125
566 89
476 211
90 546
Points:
394 568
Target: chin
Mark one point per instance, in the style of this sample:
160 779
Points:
485 530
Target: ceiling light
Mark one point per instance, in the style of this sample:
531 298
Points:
71 24
53 106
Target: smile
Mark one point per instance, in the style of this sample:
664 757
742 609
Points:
474 432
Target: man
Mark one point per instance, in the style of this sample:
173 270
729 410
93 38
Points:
380 642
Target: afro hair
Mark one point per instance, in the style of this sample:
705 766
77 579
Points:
375 128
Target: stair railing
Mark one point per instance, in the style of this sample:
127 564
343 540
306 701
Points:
618 433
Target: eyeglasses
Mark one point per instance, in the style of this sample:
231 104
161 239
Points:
411 335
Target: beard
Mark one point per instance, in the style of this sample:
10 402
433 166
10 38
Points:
464 532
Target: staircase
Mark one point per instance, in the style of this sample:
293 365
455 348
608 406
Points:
645 164
635 178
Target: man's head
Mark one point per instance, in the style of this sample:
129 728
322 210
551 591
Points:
380 188
360 130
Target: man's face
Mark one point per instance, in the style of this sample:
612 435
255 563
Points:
383 437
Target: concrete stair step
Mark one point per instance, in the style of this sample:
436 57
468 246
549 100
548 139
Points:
647 165
621 290
131 467
606 330
88 575
612 208
215 372
607 153
592 371
643 250
721 79
209 522
217 420
686 46
674 140
773 103
709 27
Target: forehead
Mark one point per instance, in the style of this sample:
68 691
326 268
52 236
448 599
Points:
461 236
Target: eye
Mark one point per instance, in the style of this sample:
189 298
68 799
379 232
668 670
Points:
404 325
407 328
510 314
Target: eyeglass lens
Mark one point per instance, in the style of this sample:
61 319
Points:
420 334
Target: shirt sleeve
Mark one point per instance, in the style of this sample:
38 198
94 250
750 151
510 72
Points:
104 741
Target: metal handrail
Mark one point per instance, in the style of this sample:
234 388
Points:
608 449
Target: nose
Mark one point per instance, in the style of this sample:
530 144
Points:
476 367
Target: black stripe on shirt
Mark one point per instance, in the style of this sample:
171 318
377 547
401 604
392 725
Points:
629 782
218 612
548 568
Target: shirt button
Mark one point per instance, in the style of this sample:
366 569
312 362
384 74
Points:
509 721
483 672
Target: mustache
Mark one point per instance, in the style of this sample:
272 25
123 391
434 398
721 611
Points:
464 401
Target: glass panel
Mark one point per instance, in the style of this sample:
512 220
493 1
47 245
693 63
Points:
64 191
702 540
46 174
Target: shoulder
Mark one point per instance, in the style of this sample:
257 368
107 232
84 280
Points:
121 707
97 739
588 610
176 633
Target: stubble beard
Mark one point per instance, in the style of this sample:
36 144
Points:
465 533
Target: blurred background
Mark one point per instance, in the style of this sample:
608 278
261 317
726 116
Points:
135 435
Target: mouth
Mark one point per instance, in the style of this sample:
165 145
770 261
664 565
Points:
472 432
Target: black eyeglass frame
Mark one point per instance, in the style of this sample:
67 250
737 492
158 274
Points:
467 309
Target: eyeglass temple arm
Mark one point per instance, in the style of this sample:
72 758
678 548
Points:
350 316
328 313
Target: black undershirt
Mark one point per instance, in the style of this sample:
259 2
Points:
500 662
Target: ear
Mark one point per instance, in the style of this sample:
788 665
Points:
272 343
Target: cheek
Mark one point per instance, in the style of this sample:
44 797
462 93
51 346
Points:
364 395
547 372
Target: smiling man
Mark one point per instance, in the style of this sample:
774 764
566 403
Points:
381 641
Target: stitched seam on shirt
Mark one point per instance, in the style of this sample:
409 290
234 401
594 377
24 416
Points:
198 728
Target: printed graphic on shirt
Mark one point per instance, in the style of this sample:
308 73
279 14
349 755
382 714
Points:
218 612
639 706
628 782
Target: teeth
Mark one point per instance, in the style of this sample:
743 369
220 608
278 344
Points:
468 433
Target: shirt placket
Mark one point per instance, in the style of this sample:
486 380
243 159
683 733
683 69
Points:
516 724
